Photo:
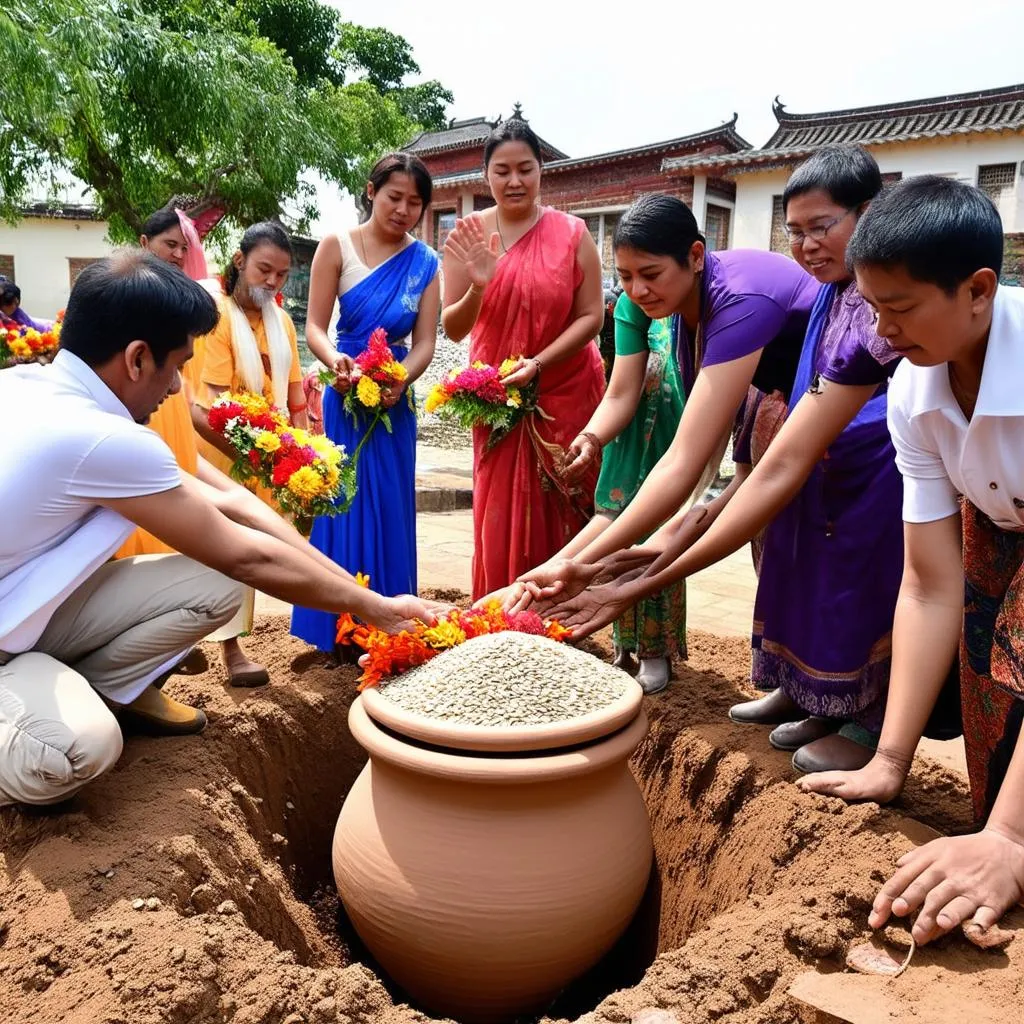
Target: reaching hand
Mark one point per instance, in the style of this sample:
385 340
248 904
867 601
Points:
580 456
469 245
595 607
954 879
343 367
562 578
521 374
404 611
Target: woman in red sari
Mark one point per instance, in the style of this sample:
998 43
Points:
524 281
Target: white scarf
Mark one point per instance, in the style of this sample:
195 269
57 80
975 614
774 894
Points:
249 363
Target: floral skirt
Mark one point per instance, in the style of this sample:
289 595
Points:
991 653
656 626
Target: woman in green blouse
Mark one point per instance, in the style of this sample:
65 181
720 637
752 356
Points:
631 429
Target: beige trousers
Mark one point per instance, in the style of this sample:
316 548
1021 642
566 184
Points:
127 625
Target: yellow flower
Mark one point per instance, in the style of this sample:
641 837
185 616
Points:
368 392
437 397
515 398
362 579
20 348
445 634
477 365
302 437
326 449
395 370
507 366
331 477
306 483
268 441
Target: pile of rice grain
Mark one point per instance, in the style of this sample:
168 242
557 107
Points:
503 679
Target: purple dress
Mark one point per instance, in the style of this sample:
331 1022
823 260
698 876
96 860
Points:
750 300
833 558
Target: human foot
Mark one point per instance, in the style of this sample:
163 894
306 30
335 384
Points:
623 658
654 674
242 671
156 714
881 780
774 709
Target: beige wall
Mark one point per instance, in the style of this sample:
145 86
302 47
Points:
959 157
41 248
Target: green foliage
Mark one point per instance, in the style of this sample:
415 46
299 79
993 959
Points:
230 101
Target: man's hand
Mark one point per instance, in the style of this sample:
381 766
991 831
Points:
954 879
393 614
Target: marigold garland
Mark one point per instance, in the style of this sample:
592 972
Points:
307 473
390 654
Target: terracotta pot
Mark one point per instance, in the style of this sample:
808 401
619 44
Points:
484 884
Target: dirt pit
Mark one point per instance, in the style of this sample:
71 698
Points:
193 883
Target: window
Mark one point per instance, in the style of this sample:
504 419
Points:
7 267
444 223
778 241
997 180
76 264
716 225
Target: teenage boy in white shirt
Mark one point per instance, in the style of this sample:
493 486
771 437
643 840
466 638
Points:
927 256
83 638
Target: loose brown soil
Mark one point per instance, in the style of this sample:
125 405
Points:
227 836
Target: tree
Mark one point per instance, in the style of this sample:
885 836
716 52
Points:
230 101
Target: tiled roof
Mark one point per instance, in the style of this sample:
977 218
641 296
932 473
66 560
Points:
463 135
61 211
724 134
799 135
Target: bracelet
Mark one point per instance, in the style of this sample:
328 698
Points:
536 362
593 439
297 408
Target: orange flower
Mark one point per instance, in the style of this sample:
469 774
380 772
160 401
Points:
556 631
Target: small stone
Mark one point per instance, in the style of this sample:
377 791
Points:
278 840
108 874
289 805
652 1015
153 903
177 954
138 904
228 907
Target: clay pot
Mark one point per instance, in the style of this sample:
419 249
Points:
485 883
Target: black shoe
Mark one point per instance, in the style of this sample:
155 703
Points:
774 709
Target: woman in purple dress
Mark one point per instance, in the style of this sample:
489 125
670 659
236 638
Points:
830 489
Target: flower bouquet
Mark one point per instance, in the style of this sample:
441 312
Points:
20 344
375 372
305 472
476 397
391 655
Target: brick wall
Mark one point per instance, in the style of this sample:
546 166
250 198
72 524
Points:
615 184
455 161
1013 260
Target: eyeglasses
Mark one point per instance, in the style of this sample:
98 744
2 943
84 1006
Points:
818 232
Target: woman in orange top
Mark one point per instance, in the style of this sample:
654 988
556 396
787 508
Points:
170 236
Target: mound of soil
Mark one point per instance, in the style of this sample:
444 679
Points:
192 885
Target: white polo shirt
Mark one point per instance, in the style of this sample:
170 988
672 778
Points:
940 454
68 441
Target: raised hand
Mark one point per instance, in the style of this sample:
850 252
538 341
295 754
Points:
580 456
952 880
469 244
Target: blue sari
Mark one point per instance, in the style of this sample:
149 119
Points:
377 536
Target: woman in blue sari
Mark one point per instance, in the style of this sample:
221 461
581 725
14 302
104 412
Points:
381 277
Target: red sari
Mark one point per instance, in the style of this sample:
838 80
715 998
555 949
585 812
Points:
522 510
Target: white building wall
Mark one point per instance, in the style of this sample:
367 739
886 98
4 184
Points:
41 248
960 157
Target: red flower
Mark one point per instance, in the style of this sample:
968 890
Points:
220 414
254 458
